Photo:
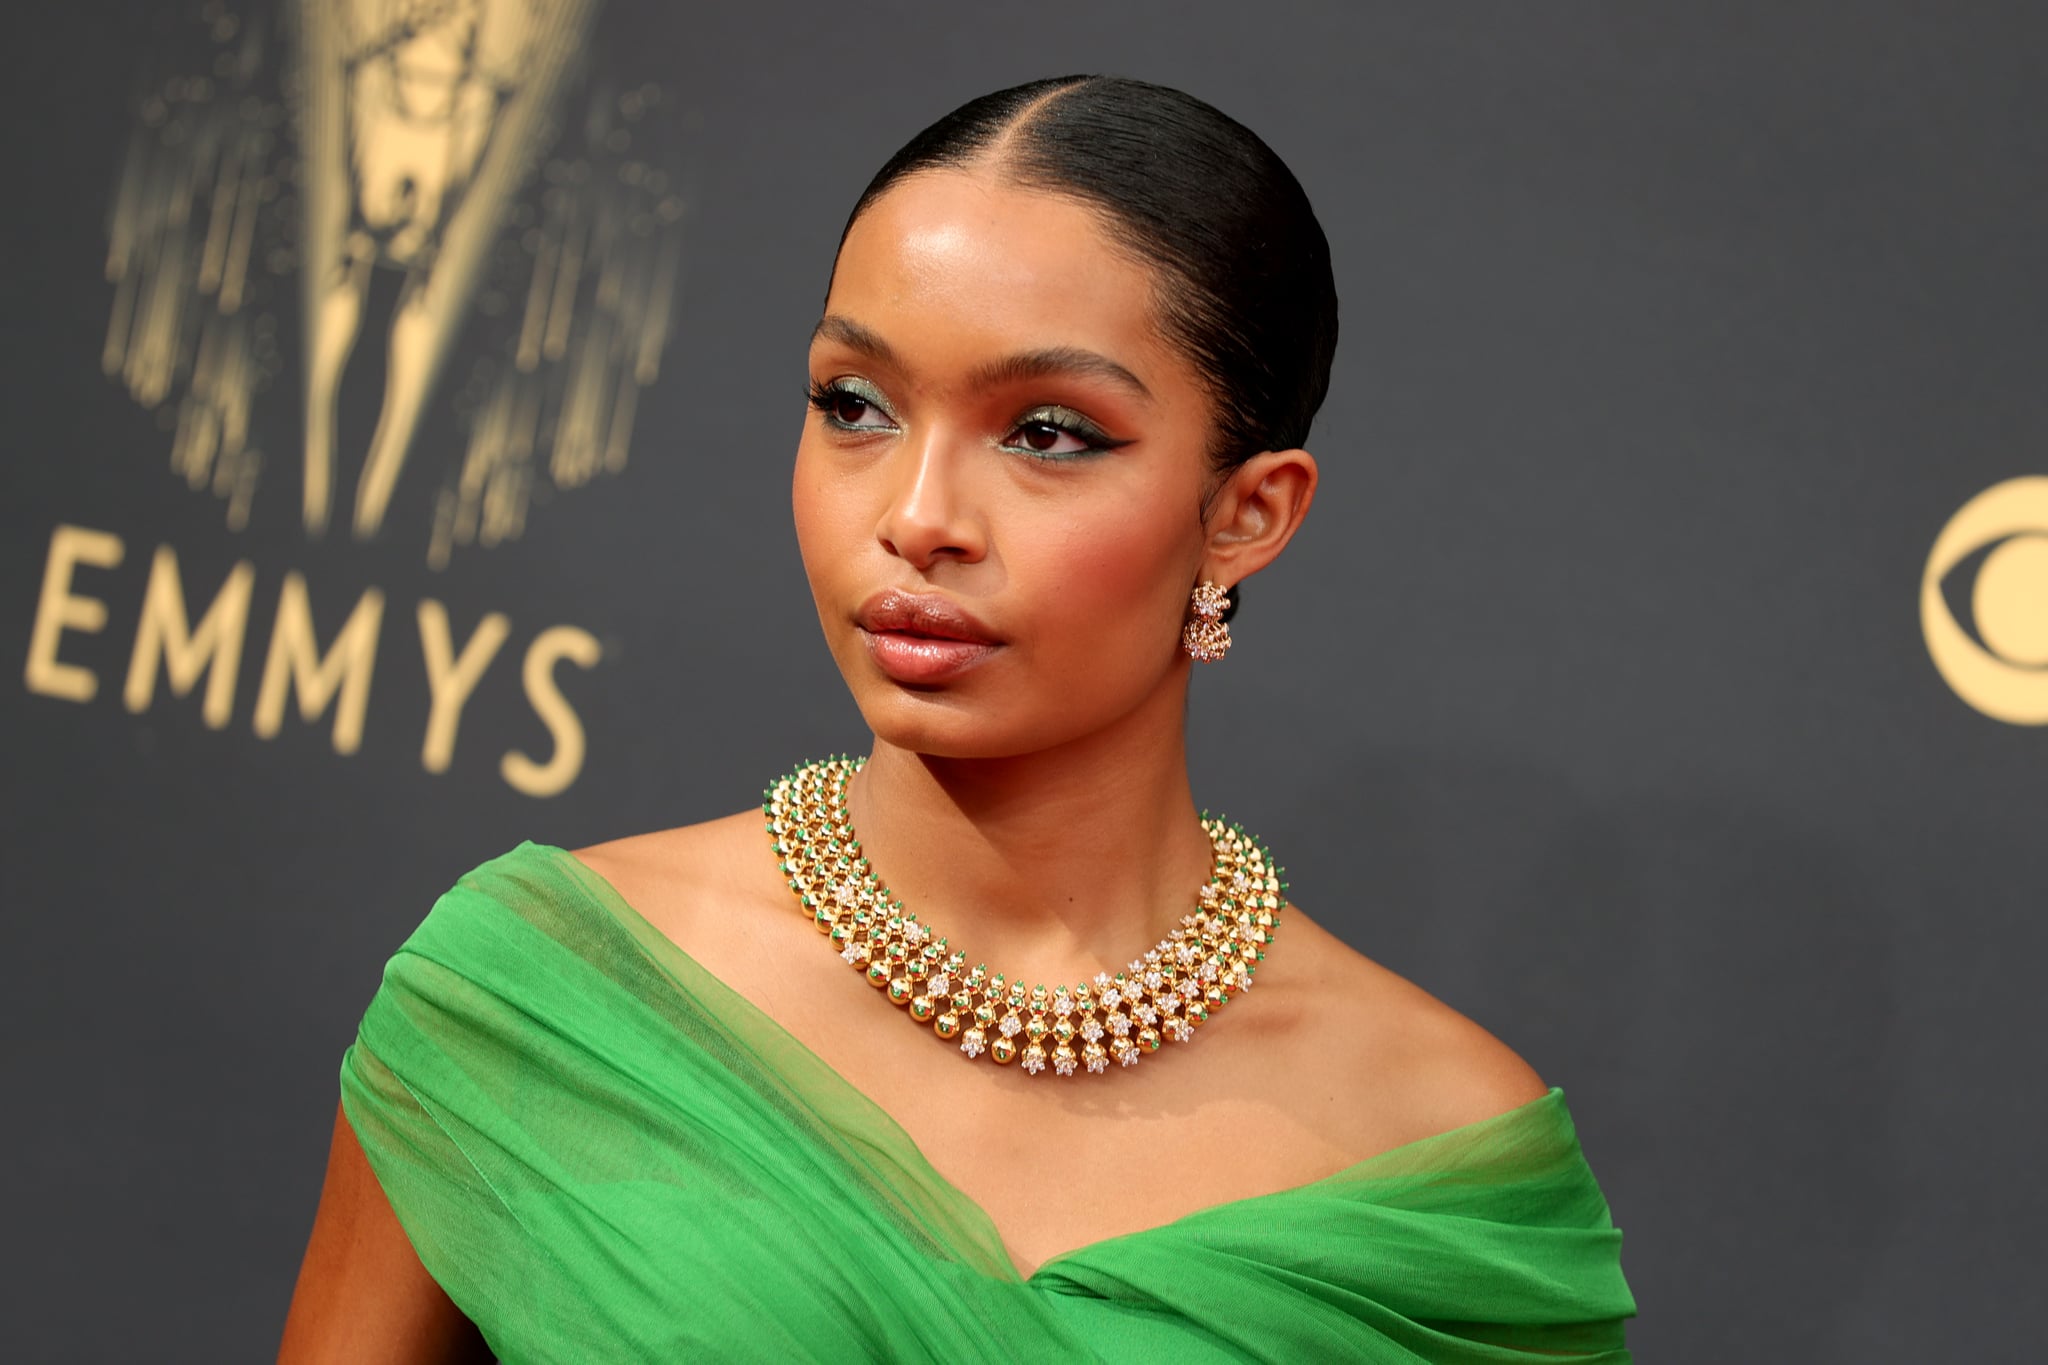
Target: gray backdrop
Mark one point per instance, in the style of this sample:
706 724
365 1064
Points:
1594 696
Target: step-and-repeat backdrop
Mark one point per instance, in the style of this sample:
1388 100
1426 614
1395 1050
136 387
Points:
401 401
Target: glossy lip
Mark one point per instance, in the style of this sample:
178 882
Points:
922 638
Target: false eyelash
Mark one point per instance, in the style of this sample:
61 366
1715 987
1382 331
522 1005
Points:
820 396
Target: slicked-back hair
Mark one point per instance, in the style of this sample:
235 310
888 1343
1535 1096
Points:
1244 283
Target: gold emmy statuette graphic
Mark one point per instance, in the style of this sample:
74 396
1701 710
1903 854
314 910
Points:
418 138
418 123
472 149
2002 669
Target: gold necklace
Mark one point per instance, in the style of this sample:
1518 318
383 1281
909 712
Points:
1164 996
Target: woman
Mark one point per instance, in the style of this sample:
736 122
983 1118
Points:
627 1103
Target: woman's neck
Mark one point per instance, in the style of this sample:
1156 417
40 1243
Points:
1050 866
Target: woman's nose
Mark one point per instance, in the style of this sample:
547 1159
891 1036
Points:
929 515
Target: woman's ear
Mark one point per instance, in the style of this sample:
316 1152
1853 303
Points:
1255 512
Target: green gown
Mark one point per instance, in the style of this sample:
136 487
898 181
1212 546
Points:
602 1153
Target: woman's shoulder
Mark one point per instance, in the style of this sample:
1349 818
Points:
662 875
514 927
1393 1063
674 877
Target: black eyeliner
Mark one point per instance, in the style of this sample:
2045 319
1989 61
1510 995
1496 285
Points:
1071 423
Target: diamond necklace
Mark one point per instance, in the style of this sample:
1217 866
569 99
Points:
1164 996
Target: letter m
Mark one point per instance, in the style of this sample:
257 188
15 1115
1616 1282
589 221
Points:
294 664
166 633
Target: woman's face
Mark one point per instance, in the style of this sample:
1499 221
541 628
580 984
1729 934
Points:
1000 486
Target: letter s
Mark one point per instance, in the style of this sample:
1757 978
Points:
549 647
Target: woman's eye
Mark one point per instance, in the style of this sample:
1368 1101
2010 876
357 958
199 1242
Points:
1043 438
1057 434
850 407
846 406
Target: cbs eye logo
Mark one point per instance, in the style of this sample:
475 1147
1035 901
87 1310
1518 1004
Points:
1984 602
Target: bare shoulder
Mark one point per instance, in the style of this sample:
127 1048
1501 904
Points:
669 875
710 844
1391 1063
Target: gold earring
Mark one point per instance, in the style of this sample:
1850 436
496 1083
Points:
1206 637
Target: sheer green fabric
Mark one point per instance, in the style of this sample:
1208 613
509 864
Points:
604 1154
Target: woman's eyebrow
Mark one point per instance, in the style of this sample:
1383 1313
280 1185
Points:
1049 360
853 336
1057 360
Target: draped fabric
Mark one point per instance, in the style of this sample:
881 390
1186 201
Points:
602 1153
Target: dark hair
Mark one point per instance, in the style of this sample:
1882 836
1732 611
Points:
1246 289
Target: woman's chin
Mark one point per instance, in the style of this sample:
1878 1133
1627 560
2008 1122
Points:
939 724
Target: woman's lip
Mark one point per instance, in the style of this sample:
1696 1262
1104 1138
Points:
921 616
922 659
